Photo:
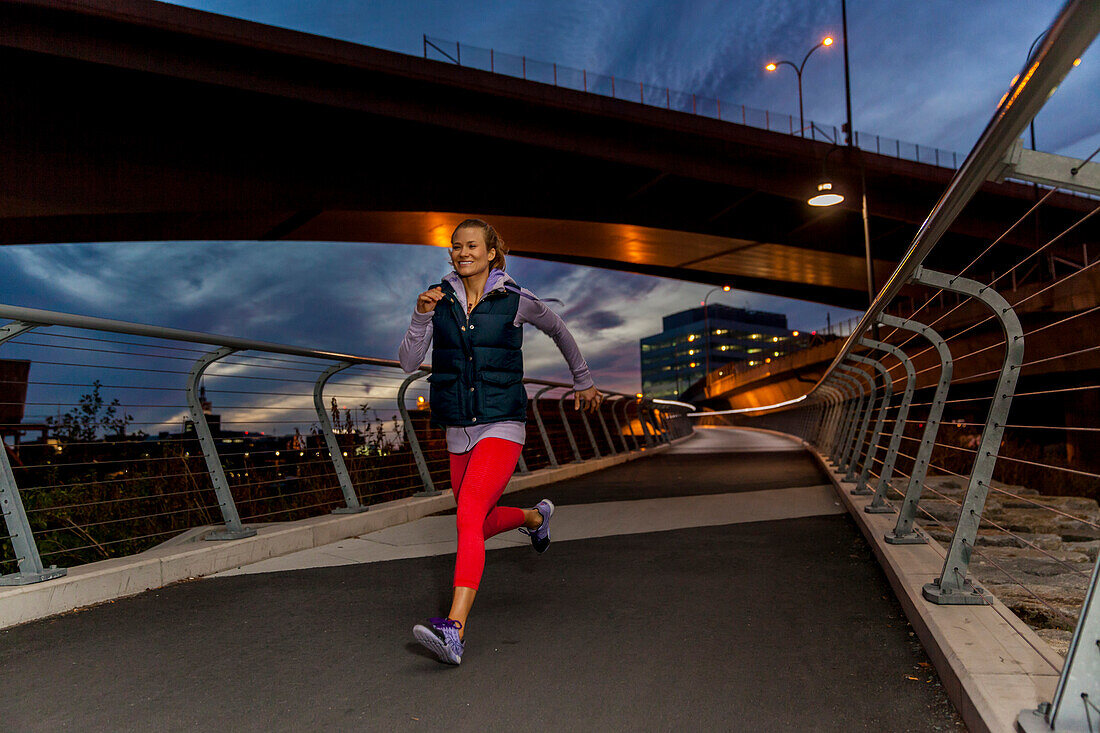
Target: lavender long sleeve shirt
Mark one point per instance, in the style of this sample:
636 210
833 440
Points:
531 310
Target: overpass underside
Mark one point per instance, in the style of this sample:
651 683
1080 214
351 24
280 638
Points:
152 122
716 586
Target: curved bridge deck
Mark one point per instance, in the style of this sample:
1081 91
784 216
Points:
715 586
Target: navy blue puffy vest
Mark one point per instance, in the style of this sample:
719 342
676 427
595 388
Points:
477 363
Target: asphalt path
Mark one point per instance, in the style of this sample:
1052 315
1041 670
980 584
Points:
776 625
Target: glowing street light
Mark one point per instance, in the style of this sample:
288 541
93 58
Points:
825 195
774 65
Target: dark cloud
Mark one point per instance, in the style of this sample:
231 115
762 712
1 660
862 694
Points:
599 320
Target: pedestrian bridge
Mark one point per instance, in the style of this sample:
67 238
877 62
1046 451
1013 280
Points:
786 572
715 584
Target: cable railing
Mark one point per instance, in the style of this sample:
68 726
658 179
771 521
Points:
934 411
121 436
654 95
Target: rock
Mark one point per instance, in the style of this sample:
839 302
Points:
1057 639
1091 548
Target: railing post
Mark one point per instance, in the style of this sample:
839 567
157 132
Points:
627 402
826 412
542 427
642 423
414 444
522 464
233 529
351 501
833 417
841 416
1080 673
618 427
591 435
855 409
903 532
952 587
568 430
878 504
862 489
606 432
11 505
857 437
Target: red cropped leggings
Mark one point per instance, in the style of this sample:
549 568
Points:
478 478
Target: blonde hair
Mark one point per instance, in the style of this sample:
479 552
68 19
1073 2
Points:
492 239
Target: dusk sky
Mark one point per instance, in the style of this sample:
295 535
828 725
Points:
928 72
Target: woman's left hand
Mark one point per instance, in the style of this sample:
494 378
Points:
591 398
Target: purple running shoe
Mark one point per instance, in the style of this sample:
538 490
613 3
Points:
441 636
540 536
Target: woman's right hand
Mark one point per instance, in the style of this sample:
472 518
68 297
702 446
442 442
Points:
425 302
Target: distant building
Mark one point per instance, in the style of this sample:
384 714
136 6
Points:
676 358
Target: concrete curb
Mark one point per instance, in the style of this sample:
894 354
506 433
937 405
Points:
190 557
992 664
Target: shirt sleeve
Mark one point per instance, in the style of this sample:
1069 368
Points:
415 345
534 311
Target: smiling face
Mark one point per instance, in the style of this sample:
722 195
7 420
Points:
469 255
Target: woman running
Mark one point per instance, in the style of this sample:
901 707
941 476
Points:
476 318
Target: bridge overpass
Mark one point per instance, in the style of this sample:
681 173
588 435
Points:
165 123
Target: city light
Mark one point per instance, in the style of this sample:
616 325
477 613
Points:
827 41
726 288
770 67
794 333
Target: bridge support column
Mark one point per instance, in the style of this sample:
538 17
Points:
542 427
351 501
862 488
233 528
903 533
414 444
878 504
952 587
11 505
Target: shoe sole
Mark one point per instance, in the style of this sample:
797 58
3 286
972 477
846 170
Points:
428 639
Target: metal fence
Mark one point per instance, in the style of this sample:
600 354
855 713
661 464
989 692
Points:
654 95
123 436
935 412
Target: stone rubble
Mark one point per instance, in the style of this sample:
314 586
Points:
1035 561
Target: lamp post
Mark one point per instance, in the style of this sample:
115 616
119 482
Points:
706 330
826 41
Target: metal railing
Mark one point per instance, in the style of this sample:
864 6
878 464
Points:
933 410
653 95
218 430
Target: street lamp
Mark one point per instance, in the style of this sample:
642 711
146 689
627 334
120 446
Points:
706 329
826 41
825 195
